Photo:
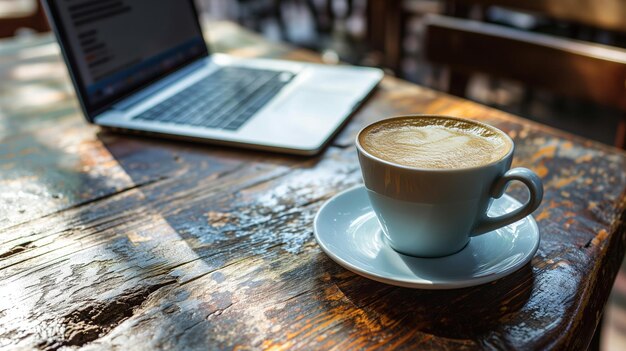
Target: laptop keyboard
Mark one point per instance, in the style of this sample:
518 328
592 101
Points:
226 99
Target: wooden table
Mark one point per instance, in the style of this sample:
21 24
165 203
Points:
114 241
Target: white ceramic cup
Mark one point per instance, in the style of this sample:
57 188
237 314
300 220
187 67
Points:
435 212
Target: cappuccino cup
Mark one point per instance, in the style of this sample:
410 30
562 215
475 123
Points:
431 179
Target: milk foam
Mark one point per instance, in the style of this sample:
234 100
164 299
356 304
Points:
434 142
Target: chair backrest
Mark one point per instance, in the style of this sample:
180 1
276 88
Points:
36 21
568 67
602 14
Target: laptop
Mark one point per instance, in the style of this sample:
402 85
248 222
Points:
144 66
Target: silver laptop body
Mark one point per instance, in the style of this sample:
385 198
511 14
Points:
303 107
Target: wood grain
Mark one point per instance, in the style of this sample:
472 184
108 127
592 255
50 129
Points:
112 241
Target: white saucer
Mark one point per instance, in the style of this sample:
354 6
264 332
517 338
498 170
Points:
347 230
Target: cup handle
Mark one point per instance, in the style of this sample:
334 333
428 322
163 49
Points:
535 189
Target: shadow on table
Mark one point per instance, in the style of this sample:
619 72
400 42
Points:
469 313
121 143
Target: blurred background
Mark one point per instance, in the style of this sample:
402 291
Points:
559 62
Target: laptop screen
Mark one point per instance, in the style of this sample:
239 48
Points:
115 47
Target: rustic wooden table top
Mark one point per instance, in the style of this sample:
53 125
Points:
109 240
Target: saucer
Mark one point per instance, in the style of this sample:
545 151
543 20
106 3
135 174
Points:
348 231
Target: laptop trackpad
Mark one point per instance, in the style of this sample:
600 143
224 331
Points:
314 103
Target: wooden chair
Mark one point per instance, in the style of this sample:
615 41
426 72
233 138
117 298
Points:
386 27
567 67
36 20
324 18
253 12
604 14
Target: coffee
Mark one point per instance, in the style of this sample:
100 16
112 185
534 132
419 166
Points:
433 142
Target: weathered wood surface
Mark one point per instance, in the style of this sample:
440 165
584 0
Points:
111 241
